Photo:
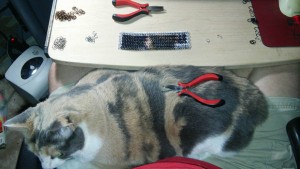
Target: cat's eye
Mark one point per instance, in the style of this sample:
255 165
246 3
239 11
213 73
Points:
60 155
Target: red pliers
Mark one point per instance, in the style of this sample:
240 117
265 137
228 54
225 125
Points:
142 9
182 89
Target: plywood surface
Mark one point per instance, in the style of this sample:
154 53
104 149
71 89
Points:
219 30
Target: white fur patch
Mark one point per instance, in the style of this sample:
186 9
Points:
92 145
48 163
212 145
75 164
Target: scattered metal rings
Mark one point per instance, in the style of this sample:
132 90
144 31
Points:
252 20
220 36
92 38
246 1
59 43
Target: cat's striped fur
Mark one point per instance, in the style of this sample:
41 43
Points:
119 119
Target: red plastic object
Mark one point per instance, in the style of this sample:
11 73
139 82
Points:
178 163
12 40
276 29
297 19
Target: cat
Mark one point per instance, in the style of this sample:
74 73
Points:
120 119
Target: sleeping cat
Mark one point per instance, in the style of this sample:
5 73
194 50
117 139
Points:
118 119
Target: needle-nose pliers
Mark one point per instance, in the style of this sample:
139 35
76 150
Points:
142 9
182 89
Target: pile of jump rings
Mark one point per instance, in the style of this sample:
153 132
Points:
59 43
68 16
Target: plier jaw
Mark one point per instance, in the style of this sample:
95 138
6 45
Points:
142 9
182 89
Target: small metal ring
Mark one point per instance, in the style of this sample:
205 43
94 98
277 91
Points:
252 42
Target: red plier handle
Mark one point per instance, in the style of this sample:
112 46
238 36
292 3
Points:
201 79
213 103
198 80
142 9
129 3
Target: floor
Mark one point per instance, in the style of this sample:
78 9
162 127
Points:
14 102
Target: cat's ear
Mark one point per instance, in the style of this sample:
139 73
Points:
22 122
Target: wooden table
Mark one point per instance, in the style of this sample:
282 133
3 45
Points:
220 35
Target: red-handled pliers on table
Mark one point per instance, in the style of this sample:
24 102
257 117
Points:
182 89
142 9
